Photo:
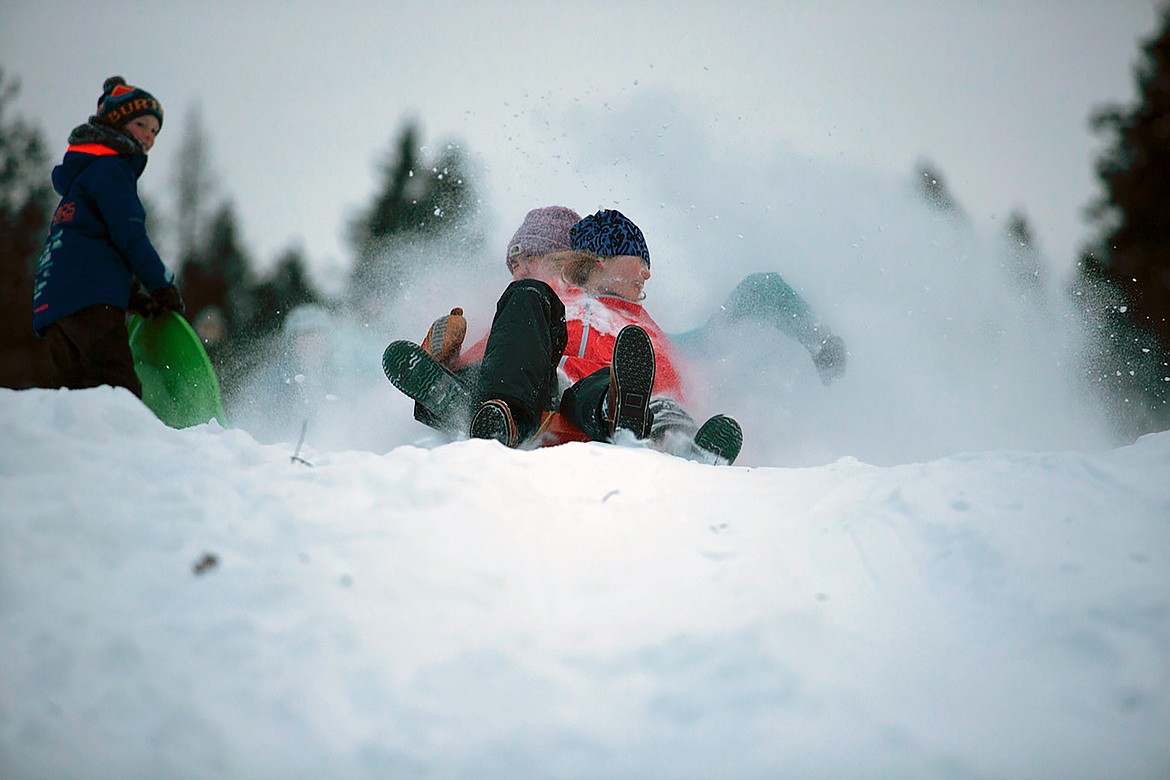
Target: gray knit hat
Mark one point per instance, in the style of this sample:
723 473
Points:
543 230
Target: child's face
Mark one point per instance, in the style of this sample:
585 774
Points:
144 128
624 276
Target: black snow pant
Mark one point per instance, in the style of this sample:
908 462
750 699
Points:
581 403
91 347
467 375
524 347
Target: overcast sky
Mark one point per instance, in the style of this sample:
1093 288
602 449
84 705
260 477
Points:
301 100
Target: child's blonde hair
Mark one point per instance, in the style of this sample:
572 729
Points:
575 267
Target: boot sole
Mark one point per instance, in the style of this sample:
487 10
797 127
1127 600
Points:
493 420
632 380
417 374
721 437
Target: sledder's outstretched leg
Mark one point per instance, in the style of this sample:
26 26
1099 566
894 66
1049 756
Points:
442 395
674 431
518 374
617 397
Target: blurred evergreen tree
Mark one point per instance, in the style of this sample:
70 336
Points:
1024 261
194 186
246 346
227 260
288 286
419 200
218 274
202 279
26 200
1123 280
933 190
235 311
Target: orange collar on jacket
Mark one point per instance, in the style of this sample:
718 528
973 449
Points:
97 149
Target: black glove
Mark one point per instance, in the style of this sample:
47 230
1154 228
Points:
141 303
168 298
830 359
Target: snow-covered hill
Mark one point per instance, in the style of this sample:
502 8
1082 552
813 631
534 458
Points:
197 604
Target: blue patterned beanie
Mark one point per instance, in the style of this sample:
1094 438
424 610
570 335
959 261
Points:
609 234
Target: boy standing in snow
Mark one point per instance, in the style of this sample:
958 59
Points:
97 246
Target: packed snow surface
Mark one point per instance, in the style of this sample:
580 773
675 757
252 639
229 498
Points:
198 604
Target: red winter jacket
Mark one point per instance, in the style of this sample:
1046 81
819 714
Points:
593 324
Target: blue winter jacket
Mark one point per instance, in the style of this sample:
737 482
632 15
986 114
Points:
97 242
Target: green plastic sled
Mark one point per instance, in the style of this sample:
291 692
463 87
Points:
178 383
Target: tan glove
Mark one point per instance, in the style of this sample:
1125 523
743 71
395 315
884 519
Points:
445 338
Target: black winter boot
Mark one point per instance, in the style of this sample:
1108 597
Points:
493 420
631 379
